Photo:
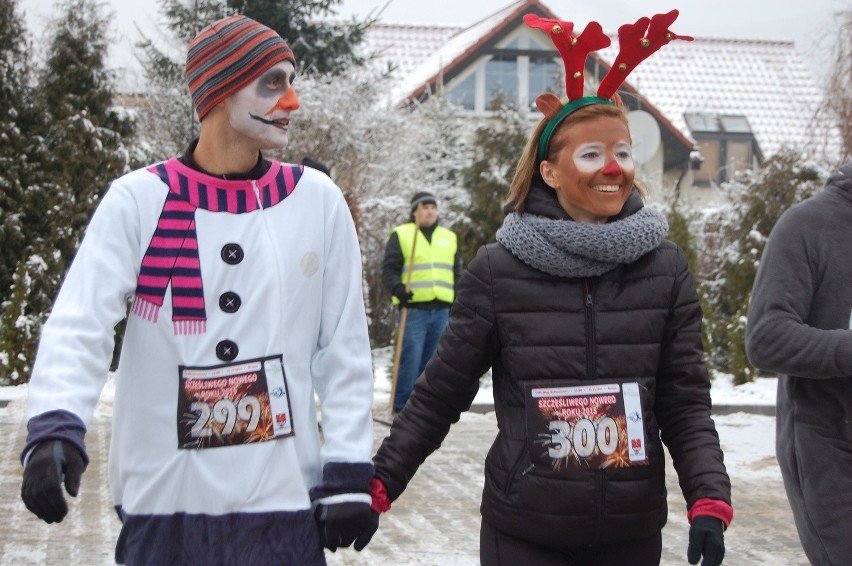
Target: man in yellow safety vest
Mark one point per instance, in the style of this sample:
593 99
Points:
430 291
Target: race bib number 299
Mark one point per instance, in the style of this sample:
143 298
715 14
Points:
240 403
585 427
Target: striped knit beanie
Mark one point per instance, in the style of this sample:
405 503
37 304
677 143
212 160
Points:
227 55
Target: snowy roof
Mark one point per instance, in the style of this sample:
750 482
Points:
765 80
406 46
422 53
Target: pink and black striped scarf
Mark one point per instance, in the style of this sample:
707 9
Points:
172 256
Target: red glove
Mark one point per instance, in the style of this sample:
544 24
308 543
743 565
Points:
379 493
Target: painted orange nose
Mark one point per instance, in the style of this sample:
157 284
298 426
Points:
612 169
289 102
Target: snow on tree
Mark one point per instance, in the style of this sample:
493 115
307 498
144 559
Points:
321 43
164 112
379 155
738 230
16 117
78 149
496 146
838 90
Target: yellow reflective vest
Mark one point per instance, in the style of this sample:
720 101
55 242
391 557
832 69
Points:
432 277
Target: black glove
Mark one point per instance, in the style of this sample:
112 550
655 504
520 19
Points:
706 539
400 293
341 524
42 486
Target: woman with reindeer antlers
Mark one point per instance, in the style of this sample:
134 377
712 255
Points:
590 322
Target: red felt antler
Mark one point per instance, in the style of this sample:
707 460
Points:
635 46
573 50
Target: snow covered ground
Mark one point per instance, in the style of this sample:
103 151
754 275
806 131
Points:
724 392
762 532
748 439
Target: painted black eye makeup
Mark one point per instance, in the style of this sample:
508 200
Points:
274 82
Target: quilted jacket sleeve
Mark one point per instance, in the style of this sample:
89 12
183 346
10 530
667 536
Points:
683 398
449 383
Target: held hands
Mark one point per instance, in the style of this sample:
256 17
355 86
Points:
400 293
706 539
42 486
342 524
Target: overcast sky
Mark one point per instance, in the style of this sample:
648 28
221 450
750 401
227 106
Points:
806 22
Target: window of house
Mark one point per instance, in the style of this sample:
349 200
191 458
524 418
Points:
726 143
738 157
463 94
501 82
513 72
545 76
734 124
512 44
710 166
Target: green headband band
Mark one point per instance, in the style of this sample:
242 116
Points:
544 140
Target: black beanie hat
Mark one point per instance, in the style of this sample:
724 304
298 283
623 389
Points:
422 198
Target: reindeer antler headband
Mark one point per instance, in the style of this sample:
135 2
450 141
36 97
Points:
636 43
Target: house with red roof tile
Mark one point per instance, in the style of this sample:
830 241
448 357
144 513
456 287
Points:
699 111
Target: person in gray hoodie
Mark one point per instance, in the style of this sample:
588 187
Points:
800 326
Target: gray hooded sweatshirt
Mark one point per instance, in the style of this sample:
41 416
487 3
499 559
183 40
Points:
800 326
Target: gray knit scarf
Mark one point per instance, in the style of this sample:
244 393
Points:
572 249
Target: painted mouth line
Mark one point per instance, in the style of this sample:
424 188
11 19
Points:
280 123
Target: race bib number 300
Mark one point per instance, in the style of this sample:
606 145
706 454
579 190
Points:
232 404
585 427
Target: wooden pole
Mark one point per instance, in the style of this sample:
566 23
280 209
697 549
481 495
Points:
403 313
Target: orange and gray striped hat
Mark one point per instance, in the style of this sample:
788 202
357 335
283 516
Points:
227 55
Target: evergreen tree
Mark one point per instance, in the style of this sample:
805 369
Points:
79 149
185 18
755 202
20 326
166 119
440 149
16 119
19 121
84 141
681 232
497 145
309 28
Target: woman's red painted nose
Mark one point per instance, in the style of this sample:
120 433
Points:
612 169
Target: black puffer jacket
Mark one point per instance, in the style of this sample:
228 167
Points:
639 322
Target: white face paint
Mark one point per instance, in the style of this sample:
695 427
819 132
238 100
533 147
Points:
591 157
256 112
624 155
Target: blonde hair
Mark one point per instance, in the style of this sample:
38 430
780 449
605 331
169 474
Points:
528 165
